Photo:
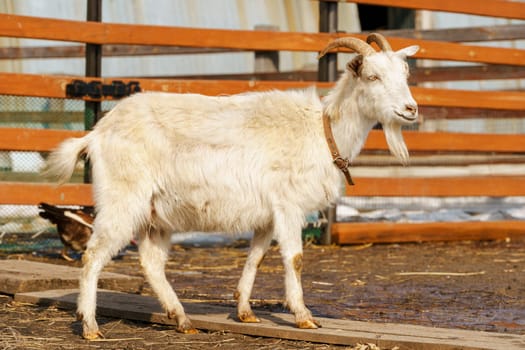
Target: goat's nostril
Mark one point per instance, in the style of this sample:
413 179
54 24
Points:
411 108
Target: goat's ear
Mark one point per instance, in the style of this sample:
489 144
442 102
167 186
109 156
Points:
355 65
408 51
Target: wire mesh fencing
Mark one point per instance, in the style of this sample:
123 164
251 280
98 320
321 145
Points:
21 228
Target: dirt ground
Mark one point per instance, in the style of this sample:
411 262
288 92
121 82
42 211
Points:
464 285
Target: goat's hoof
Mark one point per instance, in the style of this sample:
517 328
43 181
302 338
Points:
190 331
248 317
309 324
186 328
92 335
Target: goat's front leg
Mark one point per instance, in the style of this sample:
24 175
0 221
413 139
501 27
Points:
288 233
260 243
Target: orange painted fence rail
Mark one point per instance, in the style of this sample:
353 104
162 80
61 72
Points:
106 33
44 140
55 87
389 232
28 193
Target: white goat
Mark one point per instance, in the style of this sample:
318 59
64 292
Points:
166 163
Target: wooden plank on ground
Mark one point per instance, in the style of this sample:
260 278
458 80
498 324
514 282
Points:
389 232
34 193
279 325
18 276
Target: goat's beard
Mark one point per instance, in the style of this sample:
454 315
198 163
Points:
395 141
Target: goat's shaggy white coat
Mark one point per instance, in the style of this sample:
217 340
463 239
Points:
166 163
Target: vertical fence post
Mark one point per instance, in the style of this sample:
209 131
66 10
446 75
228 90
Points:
266 61
328 24
327 71
92 109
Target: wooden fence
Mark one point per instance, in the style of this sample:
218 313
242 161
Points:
436 103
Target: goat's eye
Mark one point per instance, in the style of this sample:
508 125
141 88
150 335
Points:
373 77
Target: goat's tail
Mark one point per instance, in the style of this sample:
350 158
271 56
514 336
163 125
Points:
61 163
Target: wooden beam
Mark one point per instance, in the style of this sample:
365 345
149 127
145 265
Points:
470 34
33 193
25 176
389 232
54 86
419 141
482 72
40 140
465 34
295 75
417 74
44 117
429 112
491 8
457 186
381 160
104 33
74 51
497 186
507 100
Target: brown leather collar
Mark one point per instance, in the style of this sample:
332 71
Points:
339 161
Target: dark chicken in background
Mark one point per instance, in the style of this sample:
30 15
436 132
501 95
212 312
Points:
74 226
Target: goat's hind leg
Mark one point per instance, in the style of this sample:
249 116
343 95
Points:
153 249
101 247
260 243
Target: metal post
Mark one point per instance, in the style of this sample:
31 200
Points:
328 24
327 71
92 109
266 61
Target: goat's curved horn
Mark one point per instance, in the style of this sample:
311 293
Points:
355 44
380 40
